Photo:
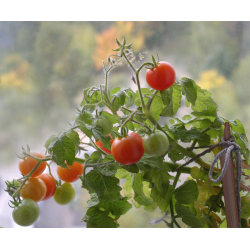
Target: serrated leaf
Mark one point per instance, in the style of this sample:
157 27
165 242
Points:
189 89
97 133
175 155
119 207
171 99
107 169
130 168
93 200
64 147
113 118
139 195
95 218
105 187
187 216
152 161
187 193
181 133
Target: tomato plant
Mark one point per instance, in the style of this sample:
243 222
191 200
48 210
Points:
70 174
127 150
50 185
161 77
28 163
64 194
155 143
26 213
148 140
34 189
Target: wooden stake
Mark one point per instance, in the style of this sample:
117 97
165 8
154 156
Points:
229 187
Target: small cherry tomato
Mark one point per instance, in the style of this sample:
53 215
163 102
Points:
156 143
127 150
99 144
26 213
34 188
50 184
27 164
161 77
64 194
71 173
105 124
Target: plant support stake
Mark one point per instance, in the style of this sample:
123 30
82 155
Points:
229 187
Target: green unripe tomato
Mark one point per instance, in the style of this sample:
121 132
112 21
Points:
245 207
85 117
155 144
26 213
64 194
105 124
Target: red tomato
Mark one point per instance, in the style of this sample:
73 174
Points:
50 184
99 144
127 150
161 77
71 173
28 163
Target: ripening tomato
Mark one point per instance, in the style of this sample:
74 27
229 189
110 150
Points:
27 164
99 144
64 194
127 150
155 144
71 173
50 184
26 213
161 77
34 188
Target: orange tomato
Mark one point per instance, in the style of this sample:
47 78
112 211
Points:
71 173
34 189
27 164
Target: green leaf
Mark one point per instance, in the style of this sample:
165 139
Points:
113 118
162 200
95 156
204 101
181 133
119 207
97 133
175 155
130 168
139 195
189 89
187 216
95 218
152 161
105 187
156 107
93 200
64 148
107 169
172 99
187 193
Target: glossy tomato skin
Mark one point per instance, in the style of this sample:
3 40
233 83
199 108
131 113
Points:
127 150
27 164
64 194
99 144
50 185
26 213
71 173
161 77
155 144
34 188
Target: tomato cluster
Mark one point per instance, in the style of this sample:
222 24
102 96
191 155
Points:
42 186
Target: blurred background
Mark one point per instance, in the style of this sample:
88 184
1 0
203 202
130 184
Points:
44 66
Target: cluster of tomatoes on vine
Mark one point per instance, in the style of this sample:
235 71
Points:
36 186
40 186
